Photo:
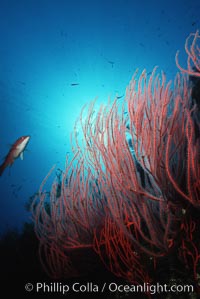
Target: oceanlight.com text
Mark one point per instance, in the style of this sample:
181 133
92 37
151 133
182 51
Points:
112 287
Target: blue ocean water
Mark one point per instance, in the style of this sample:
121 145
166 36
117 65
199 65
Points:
56 56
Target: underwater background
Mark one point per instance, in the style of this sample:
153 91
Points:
57 56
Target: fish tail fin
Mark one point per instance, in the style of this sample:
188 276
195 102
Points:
3 167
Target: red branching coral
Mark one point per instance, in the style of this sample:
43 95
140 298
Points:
193 54
129 192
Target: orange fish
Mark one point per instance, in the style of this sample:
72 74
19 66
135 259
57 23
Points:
16 151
